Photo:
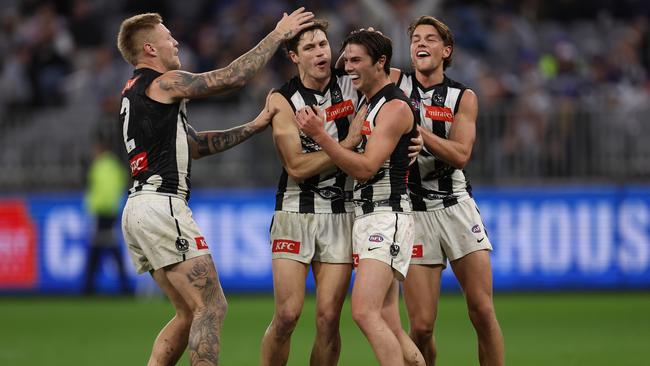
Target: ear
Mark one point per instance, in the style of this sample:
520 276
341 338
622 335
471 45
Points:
149 49
381 61
446 51
293 56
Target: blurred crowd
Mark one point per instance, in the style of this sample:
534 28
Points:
541 69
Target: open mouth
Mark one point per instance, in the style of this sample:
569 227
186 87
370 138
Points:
321 64
422 54
354 76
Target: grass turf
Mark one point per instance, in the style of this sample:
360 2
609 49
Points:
540 329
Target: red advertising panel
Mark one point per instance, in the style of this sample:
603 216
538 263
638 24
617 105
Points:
17 246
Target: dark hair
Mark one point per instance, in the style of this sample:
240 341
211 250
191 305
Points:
291 44
376 45
442 28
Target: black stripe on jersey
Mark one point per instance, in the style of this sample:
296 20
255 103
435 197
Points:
468 186
417 202
342 127
445 183
282 187
366 196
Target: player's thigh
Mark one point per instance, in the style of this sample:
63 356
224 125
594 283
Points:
421 293
332 282
371 284
197 281
179 303
289 283
474 274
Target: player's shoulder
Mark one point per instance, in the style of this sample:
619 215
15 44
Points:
451 83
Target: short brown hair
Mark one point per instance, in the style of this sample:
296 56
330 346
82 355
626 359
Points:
291 44
443 30
129 36
375 43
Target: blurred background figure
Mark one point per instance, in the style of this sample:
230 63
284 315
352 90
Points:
107 182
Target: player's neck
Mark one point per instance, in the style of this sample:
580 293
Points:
375 87
151 65
429 79
314 84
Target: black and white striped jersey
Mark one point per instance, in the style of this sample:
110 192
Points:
155 137
328 192
434 184
387 189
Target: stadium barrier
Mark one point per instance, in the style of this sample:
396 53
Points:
551 238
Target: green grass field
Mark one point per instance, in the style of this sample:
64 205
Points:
540 329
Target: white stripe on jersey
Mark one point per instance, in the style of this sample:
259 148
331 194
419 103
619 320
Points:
182 150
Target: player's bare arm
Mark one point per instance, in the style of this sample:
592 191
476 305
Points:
177 84
211 142
457 149
390 126
286 136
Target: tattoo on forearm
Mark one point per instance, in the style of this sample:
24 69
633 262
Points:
232 76
212 142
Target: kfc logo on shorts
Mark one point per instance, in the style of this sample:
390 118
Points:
201 243
138 163
476 229
339 110
286 246
355 260
418 251
439 113
377 238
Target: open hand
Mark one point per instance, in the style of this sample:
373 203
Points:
293 23
310 120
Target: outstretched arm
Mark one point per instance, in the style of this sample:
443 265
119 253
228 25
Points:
211 142
178 84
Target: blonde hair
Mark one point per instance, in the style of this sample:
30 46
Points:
130 36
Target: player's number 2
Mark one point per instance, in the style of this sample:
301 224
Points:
124 114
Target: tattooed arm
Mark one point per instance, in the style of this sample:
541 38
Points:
177 84
206 143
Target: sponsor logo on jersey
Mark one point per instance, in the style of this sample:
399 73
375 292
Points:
377 238
476 229
355 260
339 110
418 251
138 163
130 83
286 246
365 130
439 113
201 243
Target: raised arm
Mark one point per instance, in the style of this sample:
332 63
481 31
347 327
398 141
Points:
211 142
178 84
286 137
457 149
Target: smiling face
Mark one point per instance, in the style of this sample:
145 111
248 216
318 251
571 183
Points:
164 46
428 50
313 57
364 73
